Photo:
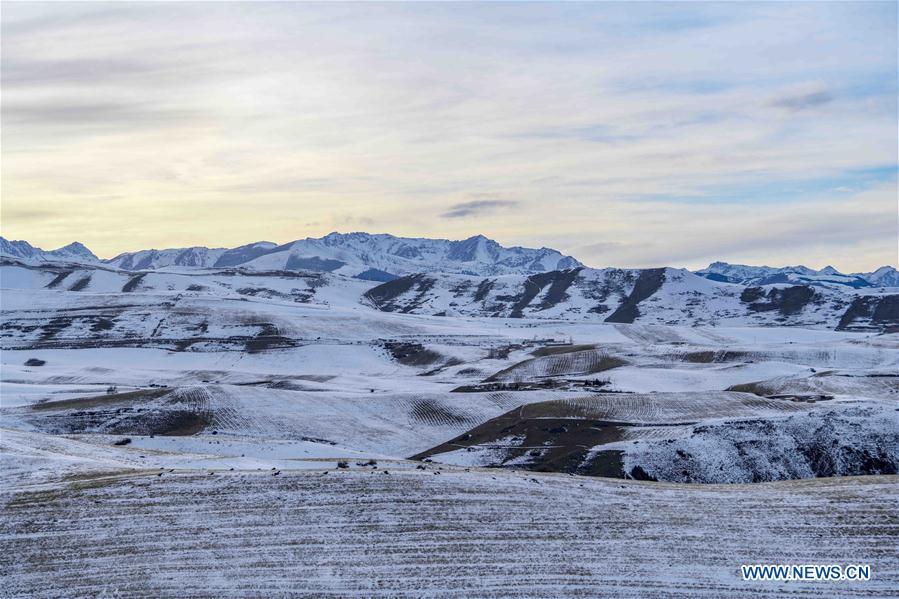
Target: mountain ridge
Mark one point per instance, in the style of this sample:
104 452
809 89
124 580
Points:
372 256
74 251
383 257
885 276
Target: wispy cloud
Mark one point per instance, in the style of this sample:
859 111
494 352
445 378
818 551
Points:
60 113
476 208
797 102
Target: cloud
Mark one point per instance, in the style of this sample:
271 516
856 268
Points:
216 124
252 183
26 215
850 230
798 102
105 114
599 248
350 220
27 72
476 207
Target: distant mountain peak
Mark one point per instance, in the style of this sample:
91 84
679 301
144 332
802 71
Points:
826 277
885 276
73 252
75 249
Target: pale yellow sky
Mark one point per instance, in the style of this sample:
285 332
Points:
628 136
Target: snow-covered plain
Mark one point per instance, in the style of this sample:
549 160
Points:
179 433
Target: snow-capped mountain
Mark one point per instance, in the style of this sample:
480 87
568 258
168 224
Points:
74 252
885 276
193 257
378 257
742 273
382 258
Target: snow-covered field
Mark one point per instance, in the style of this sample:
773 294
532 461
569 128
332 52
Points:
417 534
182 438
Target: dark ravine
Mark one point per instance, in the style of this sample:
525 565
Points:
871 312
58 279
648 283
558 281
382 297
789 300
484 288
133 282
81 283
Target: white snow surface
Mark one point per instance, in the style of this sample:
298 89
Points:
177 433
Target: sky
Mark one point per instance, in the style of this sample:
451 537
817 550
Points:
630 135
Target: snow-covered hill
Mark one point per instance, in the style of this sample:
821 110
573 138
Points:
651 296
660 296
363 255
